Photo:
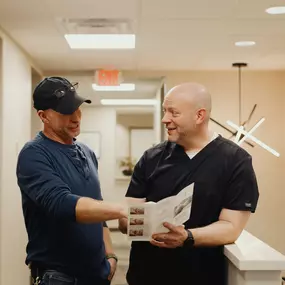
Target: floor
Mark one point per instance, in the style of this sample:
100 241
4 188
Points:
122 248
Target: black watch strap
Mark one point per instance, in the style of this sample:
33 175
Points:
189 242
111 255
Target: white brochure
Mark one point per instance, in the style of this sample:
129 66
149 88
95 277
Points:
148 218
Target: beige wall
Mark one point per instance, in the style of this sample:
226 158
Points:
16 128
1 125
36 125
267 90
135 120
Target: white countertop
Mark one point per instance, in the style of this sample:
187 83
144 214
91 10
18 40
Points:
250 253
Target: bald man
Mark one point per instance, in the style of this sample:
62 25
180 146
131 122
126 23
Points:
225 194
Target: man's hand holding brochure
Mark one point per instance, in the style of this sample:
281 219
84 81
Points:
145 219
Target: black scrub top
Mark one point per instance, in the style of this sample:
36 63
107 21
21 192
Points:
223 177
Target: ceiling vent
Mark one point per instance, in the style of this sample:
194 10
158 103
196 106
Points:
95 26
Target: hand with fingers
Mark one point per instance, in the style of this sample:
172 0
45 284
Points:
113 267
174 238
123 222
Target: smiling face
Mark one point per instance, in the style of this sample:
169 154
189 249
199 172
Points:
63 127
184 114
179 119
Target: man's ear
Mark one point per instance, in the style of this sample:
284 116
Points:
201 115
43 116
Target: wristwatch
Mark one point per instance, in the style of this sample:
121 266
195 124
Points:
189 242
111 255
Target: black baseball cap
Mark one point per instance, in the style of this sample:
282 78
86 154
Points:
58 94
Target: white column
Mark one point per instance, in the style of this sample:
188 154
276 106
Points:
158 127
156 118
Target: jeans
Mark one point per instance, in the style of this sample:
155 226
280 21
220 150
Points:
53 277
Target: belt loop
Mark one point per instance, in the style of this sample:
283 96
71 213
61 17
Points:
75 281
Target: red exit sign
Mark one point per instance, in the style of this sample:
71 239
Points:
107 77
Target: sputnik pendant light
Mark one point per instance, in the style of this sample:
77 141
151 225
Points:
241 135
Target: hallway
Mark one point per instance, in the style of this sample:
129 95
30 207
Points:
125 57
121 248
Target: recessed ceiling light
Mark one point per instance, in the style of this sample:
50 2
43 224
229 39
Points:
121 87
245 43
101 41
276 10
132 102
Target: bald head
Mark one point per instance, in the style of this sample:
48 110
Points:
187 109
195 94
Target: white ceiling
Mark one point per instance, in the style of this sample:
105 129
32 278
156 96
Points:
145 89
171 35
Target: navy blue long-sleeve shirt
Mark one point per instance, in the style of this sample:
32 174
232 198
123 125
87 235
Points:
52 177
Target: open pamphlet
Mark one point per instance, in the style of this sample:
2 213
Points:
145 219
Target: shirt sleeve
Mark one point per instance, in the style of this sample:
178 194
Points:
137 187
39 181
242 190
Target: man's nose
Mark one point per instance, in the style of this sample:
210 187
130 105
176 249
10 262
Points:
76 116
165 119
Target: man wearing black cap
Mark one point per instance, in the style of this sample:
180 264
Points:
65 216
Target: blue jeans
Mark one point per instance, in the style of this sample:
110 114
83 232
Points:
53 277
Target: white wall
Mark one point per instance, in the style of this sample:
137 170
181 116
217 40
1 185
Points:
16 129
103 120
122 145
114 145
123 125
